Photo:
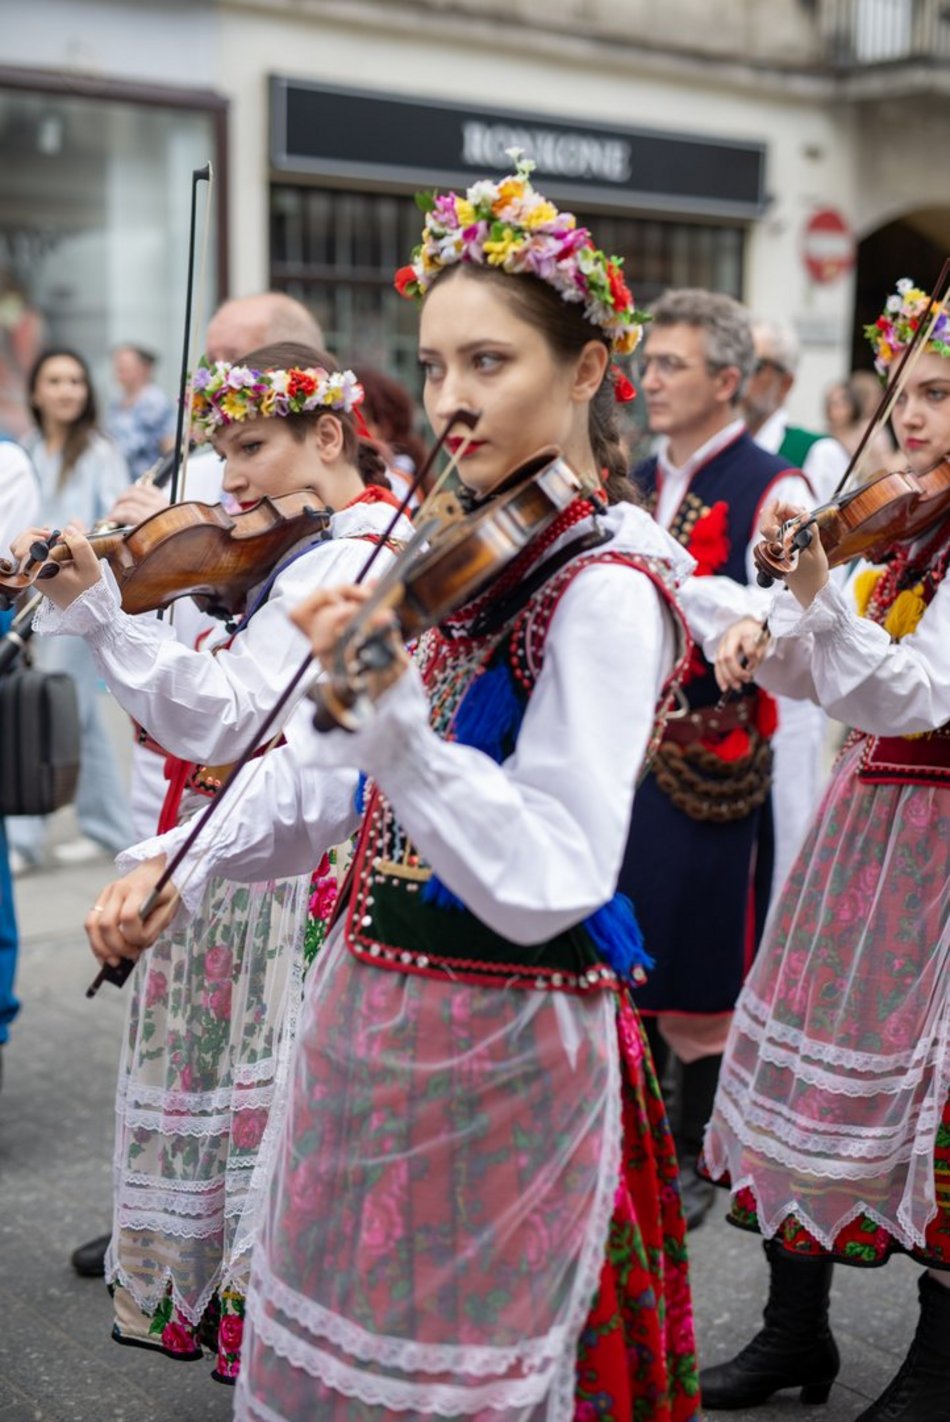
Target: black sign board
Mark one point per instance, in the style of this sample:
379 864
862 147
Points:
346 134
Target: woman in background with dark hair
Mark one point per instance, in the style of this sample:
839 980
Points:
81 474
389 412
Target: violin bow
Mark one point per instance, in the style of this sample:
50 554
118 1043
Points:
118 975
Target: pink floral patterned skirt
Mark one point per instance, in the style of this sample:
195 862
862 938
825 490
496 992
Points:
831 1123
474 1213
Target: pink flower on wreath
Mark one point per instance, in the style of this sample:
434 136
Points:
177 1339
218 962
218 1002
247 1129
230 1333
156 988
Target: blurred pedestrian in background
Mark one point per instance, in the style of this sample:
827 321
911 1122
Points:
81 474
848 409
821 459
142 419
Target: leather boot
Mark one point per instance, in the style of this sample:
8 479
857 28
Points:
794 1349
921 1390
696 1093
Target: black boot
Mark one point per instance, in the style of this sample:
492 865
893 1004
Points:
696 1092
794 1349
921 1390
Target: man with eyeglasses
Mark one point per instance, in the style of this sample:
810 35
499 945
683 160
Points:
698 863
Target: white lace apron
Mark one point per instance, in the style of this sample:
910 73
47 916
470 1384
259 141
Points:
440 1202
212 1016
838 1064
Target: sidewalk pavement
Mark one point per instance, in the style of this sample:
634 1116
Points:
57 1363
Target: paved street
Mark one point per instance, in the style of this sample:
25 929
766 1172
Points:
57 1363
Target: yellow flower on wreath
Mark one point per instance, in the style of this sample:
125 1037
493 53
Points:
465 212
544 212
497 252
234 405
268 401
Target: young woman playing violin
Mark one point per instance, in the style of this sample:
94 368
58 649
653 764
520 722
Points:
214 1007
474 1207
832 1120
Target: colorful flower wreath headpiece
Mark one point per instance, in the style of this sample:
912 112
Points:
893 331
510 226
224 394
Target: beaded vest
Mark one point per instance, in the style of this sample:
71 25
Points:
479 674
921 759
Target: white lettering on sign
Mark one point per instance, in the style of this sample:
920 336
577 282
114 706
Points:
566 155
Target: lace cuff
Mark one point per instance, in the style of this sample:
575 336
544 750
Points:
92 613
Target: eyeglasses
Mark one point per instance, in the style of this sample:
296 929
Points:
665 365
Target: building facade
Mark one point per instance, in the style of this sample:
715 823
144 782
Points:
790 154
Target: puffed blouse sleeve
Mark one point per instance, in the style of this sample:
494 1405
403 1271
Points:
850 666
534 845
279 820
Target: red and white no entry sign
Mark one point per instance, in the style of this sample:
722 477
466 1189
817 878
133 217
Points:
827 245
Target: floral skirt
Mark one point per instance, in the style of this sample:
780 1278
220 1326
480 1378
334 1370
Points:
474 1213
207 1051
831 1123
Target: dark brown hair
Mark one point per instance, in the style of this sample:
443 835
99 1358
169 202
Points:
282 355
83 427
568 331
390 406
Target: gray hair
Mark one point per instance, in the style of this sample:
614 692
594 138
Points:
726 322
779 343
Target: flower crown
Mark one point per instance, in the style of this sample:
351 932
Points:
893 331
510 226
224 394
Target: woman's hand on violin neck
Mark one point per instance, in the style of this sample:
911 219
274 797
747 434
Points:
324 618
775 514
810 572
135 504
113 926
742 648
81 569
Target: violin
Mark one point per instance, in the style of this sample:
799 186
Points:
186 550
890 508
456 564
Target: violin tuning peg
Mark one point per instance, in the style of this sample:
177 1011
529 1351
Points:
802 539
764 579
49 570
39 551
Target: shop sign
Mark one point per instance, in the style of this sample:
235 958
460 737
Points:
377 138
